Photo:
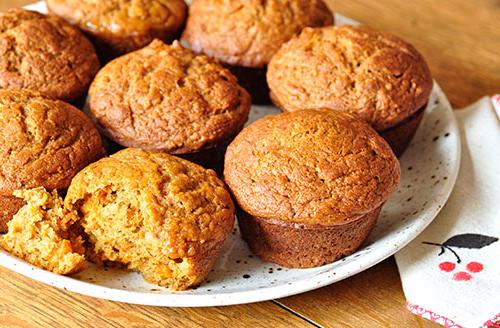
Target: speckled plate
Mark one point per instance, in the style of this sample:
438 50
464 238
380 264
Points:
429 169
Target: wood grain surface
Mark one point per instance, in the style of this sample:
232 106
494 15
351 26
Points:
461 41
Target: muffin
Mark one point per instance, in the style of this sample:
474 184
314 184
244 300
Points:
355 69
40 233
309 185
166 98
43 142
118 27
154 213
44 54
244 35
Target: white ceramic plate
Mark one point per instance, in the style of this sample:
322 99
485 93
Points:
429 169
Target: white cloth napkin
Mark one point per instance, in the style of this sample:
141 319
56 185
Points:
451 272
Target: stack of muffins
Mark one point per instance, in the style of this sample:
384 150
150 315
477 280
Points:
308 184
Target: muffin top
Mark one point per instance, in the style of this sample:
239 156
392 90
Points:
43 142
123 17
249 32
316 167
374 74
167 98
45 54
180 203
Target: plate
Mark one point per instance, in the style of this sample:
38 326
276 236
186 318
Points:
429 170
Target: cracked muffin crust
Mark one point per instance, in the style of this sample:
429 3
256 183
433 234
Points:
44 142
167 98
41 233
121 26
310 170
44 54
371 73
247 33
155 213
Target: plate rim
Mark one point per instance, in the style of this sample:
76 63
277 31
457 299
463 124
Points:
241 297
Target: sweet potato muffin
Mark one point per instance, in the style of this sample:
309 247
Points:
373 74
309 184
43 142
246 34
121 26
44 54
155 213
166 98
40 233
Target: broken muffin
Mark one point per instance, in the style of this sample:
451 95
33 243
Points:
154 213
41 233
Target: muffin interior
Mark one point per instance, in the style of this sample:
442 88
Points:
40 233
139 243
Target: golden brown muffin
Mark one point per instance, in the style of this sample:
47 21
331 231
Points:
155 213
166 98
43 142
246 34
310 184
373 74
40 233
44 54
121 26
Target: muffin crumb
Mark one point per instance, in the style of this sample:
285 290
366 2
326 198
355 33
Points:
40 233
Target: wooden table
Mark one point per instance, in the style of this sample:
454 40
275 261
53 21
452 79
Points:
461 41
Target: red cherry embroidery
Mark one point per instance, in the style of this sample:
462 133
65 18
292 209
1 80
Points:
474 267
447 266
462 276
